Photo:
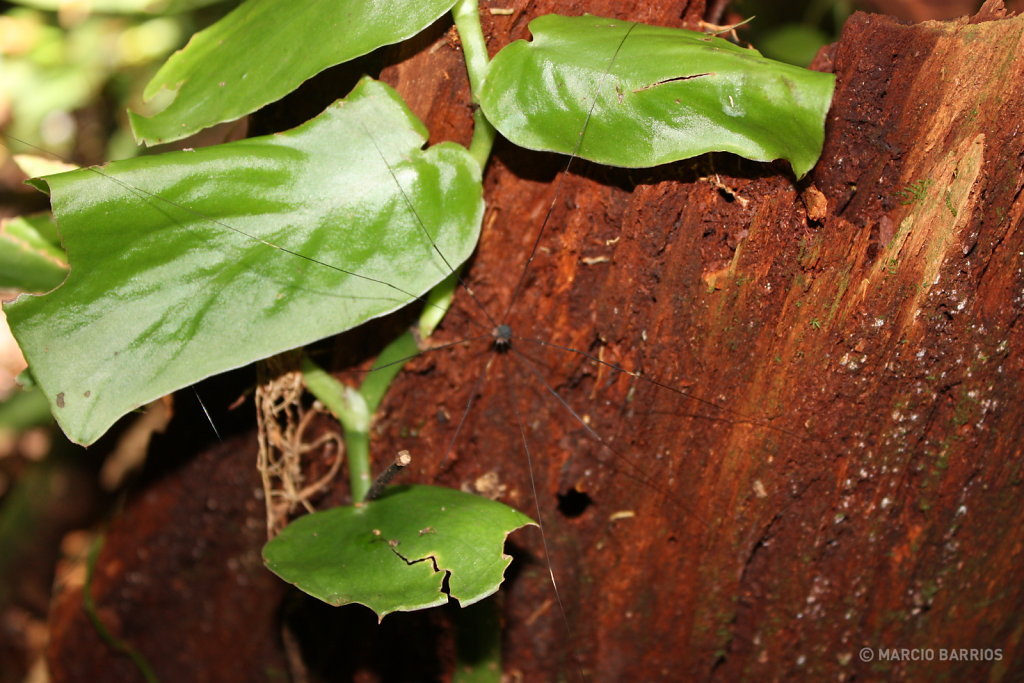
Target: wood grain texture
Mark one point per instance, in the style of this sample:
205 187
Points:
844 470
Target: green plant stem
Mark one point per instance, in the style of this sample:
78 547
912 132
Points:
354 409
478 637
349 406
89 605
478 643
439 300
483 138
467 21
389 363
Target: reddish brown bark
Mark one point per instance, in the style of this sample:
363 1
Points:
862 361
923 10
843 470
177 581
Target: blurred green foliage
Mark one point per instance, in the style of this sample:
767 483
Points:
68 71
118 6
84 57
792 31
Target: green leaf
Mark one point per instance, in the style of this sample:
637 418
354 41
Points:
29 260
178 269
263 50
648 95
383 554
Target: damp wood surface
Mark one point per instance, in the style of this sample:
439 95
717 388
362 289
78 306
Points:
849 474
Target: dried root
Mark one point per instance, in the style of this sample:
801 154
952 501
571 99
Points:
283 422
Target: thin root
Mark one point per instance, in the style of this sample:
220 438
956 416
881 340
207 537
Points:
283 422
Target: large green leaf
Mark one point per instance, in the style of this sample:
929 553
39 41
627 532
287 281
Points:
264 49
383 554
178 270
647 95
29 260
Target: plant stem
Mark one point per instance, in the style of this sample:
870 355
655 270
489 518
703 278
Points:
436 306
467 20
105 634
483 138
478 643
389 363
357 448
354 409
349 406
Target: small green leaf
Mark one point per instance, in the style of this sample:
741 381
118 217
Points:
662 95
383 554
29 260
178 262
263 50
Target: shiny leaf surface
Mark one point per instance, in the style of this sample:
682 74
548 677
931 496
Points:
644 95
392 554
263 50
191 263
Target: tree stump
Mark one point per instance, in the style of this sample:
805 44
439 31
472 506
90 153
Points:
825 480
